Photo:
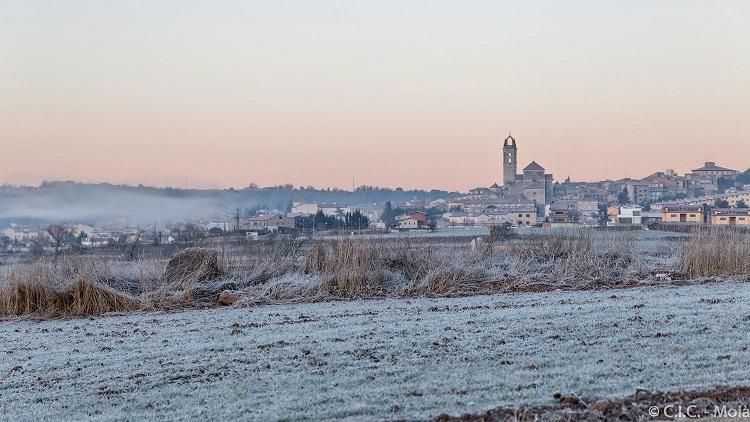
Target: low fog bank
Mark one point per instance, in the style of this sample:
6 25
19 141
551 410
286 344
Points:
103 206
135 208
100 203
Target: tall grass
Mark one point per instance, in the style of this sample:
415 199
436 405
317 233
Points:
578 254
37 291
716 252
350 268
292 271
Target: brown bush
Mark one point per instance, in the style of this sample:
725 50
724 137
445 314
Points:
193 265
450 279
37 294
356 269
315 259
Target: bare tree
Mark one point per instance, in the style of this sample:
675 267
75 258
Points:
189 232
58 235
129 244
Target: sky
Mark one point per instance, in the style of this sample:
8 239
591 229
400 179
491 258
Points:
416 94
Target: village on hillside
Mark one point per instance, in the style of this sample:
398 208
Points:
529 198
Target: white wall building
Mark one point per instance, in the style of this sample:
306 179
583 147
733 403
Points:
18 234
630 214
300 208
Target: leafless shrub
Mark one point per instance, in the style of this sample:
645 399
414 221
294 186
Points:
410 258
129 244
58 234
578 254
451 279
258 263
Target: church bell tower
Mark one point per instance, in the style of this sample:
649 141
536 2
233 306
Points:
510 161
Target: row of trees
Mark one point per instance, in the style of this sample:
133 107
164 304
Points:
723 203
320 221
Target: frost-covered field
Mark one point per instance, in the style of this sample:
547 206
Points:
377 360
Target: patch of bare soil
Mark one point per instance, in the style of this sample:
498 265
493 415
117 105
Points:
642 406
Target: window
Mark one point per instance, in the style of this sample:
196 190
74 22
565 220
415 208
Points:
528 215
692 215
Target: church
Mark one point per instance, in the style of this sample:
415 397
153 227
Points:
532 184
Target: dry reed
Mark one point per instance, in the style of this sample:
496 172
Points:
716 252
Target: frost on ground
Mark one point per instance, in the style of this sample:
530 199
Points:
386 359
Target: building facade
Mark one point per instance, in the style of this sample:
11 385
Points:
730 217
534 184
678 215
630 214
269 222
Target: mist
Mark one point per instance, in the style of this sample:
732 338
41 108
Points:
133 207
71 202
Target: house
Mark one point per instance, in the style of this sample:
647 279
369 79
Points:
713 172
682 215
630 214
334 210
707 177
521 217
413 221
730 217
587 206
304 209
408 223
517 216
420 216
735 198
562 211
268 222
19 234
648 217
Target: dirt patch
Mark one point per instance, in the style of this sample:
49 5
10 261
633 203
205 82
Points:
719 401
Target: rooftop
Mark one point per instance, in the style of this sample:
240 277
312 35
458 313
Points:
731 211
684 208
711 166
534 166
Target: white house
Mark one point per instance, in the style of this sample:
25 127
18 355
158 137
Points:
333 210
300 208
270 222
630 214
18 234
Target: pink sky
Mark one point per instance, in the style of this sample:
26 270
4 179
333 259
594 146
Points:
418 95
